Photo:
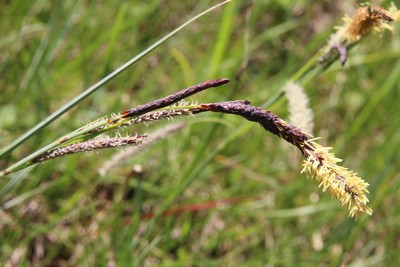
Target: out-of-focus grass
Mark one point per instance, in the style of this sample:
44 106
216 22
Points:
65 212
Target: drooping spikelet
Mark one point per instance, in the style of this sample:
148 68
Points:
367 18
319 163
90 145
338 181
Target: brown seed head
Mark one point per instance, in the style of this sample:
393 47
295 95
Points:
365 19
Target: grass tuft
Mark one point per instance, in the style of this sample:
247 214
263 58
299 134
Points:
209 189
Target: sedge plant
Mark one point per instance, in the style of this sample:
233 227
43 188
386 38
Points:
319 163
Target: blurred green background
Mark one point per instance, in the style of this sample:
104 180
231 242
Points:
64 213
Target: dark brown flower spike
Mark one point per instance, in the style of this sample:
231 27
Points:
338 181
268 120
173 98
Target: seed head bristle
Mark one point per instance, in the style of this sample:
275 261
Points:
338 181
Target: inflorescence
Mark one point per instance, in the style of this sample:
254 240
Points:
319 163
367 18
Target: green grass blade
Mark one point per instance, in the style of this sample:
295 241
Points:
223 38
390 84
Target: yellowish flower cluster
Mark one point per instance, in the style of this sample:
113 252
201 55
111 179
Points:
338 181
366 19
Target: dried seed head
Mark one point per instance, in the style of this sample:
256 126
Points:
366 19
90 145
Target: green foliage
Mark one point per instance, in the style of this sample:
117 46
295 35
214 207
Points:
51 51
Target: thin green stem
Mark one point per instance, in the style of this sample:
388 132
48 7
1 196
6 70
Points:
306 68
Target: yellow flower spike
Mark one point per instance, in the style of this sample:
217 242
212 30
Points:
338 181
